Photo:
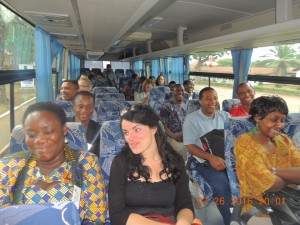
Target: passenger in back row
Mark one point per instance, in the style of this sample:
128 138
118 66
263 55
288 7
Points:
189 88
245 93
68 90
83 106
203 134
172 114
85 84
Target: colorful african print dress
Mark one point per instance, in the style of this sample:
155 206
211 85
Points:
92 205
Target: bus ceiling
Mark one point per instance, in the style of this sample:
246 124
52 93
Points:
143 29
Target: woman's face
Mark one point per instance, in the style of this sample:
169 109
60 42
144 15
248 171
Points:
147 88
84 85
45 135
140 138
271 125
161 80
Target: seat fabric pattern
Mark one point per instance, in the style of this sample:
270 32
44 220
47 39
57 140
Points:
75 137
228 104
62 213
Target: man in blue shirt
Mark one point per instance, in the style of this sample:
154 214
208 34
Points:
203 134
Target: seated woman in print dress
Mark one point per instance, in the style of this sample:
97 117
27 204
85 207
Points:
51 171
148 182
266 160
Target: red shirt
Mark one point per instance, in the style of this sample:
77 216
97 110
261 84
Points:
238 111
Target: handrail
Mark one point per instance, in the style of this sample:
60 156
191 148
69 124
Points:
10 76
260 78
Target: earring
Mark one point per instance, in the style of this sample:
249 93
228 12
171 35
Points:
255 130
66 140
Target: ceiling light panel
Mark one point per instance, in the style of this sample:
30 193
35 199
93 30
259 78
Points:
139 36
50 19
65 36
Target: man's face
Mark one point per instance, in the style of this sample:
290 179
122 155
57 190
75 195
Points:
68 91
189 87
178 93
83 107
246 94
209 102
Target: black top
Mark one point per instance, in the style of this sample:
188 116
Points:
163 197
92 134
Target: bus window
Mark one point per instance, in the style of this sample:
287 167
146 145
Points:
17 52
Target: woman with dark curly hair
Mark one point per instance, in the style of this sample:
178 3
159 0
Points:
148 182
266 160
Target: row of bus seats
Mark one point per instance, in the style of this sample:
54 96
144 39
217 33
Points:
112 141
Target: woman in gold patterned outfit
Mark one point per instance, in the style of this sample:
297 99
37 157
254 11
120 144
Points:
50 171
266 160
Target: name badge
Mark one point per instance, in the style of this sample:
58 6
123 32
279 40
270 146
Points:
76 196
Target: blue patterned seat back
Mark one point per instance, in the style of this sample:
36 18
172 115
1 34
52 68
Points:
63 213
228 104
157 97
292 128
192 105
110 110
111 143
97 90
119 97
17 140
67 106
207 190
75 136
238 125
233 128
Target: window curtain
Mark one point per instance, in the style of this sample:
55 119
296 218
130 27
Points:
66 63
57 51
166 69
187 67
138 67
56 48
155 69
60 71
177 70
44 86
74 67
241 60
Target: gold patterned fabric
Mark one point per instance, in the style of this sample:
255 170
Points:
93 204
253 163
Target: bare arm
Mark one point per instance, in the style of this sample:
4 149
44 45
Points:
215 161
284 176
185 217
178 137
278 185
